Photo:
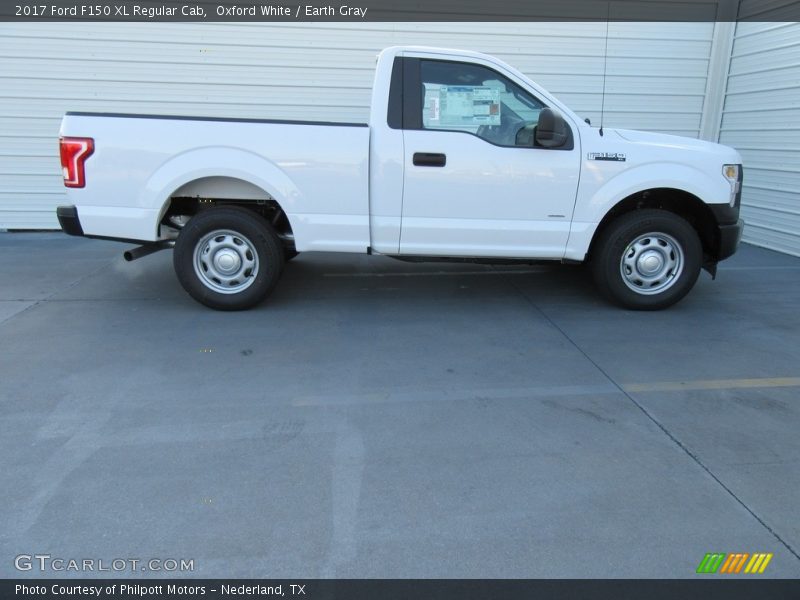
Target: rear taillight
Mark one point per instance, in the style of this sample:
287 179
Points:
74 152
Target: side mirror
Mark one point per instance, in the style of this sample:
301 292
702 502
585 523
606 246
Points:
551 131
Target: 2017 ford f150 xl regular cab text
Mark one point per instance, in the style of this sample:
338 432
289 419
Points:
463 158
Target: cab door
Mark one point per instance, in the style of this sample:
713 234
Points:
474 183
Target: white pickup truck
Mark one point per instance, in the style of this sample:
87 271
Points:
464 158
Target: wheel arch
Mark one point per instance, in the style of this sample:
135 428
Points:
677 201
220 174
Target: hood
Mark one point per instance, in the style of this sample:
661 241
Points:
674 142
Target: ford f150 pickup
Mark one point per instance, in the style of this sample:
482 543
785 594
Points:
464 158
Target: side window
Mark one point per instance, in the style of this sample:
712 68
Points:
476 99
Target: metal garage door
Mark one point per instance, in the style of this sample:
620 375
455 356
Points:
656 78
761 119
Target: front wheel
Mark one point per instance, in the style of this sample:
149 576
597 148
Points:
228 258
647 259
289 254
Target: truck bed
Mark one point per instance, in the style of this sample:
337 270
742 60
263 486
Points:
319 170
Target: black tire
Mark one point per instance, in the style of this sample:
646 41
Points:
673 253
289 254
247 246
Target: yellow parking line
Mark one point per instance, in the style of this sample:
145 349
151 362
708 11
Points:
712 384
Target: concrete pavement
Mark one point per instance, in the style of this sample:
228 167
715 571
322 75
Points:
381 419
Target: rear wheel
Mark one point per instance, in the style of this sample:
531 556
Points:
228 258
647 259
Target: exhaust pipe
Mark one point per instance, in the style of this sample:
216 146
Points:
146 249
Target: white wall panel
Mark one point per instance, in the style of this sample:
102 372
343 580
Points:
656 78
761 118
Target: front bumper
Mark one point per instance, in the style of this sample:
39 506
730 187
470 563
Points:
729 225
69 221
729 238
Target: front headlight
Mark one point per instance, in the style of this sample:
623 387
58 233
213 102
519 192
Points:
731 173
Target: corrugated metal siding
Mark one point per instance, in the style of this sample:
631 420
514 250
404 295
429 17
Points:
761 119
656 78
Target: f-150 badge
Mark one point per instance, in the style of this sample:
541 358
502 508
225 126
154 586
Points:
617 156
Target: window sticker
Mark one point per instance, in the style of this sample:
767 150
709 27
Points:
461 107
432 103
486 103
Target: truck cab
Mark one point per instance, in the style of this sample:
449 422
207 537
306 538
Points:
461 171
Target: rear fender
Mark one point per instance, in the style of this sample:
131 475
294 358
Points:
211 162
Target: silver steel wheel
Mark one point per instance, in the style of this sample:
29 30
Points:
226 261
652 263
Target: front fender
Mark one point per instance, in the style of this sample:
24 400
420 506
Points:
598 194
593 204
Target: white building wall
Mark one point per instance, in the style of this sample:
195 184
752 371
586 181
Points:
761 118
656 79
